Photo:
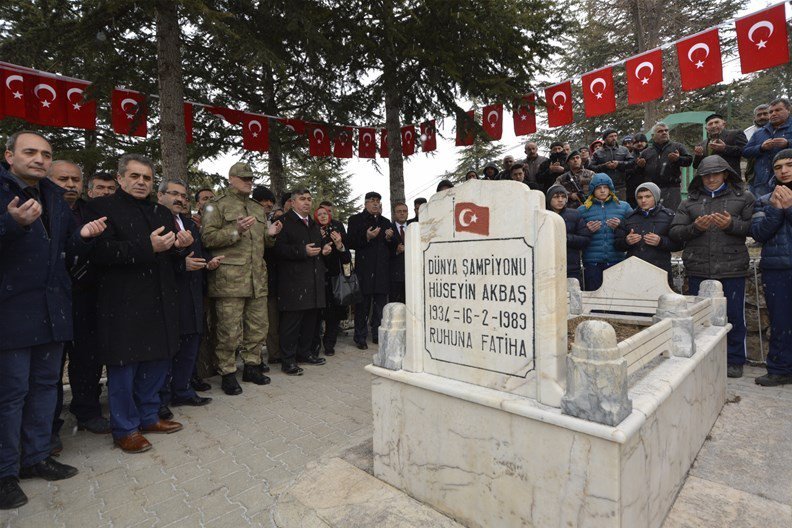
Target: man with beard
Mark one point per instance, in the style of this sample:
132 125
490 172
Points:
761 118
613 159
532 164
551 168
138 328
663 166
728 144
768 141
576 180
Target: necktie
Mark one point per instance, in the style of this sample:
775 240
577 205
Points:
401 233
305 221
176 224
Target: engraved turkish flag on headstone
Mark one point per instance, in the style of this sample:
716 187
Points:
428 136
599 97
699 60
559 104
525 115
367 143
13 88
342 144
645 77
762 39
408 140
469 217
45 100
80 110
493 120
255 132
128 113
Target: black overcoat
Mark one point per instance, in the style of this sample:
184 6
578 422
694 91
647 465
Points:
301 279
372 257
191 284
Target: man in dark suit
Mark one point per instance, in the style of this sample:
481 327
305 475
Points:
301 283
397 289
728 144
138 301
36 228
371 235
417 203
190 281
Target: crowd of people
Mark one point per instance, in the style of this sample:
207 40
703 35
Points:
112 279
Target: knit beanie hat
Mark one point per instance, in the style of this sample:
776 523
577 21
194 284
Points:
651 187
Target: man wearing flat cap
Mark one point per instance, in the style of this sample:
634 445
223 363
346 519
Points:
371 235
235 226
728 144
614 160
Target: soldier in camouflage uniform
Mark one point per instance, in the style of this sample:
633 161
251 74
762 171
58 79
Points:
236 226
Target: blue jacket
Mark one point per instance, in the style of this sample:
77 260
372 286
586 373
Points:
602 248
773 228
763 164
35 288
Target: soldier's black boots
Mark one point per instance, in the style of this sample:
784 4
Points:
254 374
230 385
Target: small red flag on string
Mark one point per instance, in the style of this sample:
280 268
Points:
762 39
464 128
384 150
128 113
367 143
318 140
492 120
599 97
645 77
524 115
342 144
559 104
255 132
428 136
699 60
408 140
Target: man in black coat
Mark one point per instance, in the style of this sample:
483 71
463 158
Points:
662 165
190 282
301 283
371 235
397 286
644 232
417 203
728 144
138 301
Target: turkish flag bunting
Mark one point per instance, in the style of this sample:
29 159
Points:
13 89
318 140
408 140
599 97
128 113
384 150
231 116
342 145
295 125
188 122
42 101
493 120
524 115
645 77
559 104
255 132
367 143
699 59
80 110
464 128
428 136
762 39
472 218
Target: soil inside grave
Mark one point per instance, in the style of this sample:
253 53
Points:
623 329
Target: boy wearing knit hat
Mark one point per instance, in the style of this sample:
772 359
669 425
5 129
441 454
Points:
577 234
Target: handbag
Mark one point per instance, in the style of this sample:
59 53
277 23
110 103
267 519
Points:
346 288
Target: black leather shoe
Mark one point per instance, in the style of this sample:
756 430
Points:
329 352
254 374
199 385
264 367
362 346
773 380
291 369
195 401
734 371
11 495
230 385
314 360
164 413
48 469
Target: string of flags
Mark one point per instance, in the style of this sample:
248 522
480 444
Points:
762 42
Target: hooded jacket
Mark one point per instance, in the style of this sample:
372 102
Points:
494 171
714 253
578 236
602 248
773 228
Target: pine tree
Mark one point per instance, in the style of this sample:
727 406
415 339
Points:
476 156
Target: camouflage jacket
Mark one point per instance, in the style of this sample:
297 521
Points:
242 272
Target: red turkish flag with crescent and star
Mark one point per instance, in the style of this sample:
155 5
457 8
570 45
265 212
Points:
428 136
342 144
524 115
80 110
128 113
699 60
384 150
45 100
255 132
492 120
13 87
599 97
464 128
762 39
367 143
188 123
645 77
559 104
408 140
471 218
318 140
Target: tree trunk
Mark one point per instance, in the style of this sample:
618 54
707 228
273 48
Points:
275 154
89 165
173 143
395 155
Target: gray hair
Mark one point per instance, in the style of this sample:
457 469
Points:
762 106
658 124
68 162
12 139
163 186
140 158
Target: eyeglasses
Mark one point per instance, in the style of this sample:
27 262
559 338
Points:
176 193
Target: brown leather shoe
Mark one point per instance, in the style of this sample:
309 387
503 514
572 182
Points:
134 443
162 426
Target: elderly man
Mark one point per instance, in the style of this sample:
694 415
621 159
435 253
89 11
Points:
728 144
236 225
533 163
662 165
137 301
614 160
35 311
508 161
768 141
371 235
